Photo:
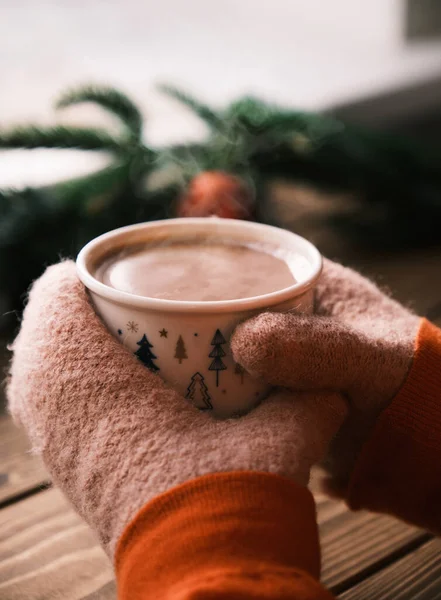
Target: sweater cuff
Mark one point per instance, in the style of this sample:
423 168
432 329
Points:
399 469
227 527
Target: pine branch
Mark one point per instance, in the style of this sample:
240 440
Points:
263 118
31 137
112 100
253 113
82 191
205 113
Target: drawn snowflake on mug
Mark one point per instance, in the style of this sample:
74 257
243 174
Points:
132 326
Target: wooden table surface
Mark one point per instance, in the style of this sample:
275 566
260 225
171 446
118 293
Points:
47 552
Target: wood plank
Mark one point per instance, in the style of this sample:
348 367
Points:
47 551
417 576
20 470
327 508
354 544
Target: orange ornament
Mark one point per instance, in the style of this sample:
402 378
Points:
215 193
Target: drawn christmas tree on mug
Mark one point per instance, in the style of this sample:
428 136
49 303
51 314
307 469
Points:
239 370
145 355
197 392
180 351
217 354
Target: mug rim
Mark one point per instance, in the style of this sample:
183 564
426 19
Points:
197 306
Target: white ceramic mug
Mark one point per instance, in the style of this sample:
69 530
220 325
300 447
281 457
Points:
186 343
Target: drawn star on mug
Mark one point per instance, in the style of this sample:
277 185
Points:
163 333
132 326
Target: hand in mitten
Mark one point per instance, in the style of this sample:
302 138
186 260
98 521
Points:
113 435
359 342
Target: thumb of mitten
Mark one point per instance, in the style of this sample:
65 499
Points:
299 352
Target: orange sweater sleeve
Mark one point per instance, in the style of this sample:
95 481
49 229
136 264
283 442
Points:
229 535
399 469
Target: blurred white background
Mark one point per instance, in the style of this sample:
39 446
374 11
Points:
308 54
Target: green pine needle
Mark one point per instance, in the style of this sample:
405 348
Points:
205 113
112 100
31 137
262 118
82 190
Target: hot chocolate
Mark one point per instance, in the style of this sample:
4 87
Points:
196 271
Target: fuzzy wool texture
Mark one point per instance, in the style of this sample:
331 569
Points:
113 435
359 342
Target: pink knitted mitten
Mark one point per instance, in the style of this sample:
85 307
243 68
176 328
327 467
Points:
113 435
359 342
